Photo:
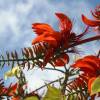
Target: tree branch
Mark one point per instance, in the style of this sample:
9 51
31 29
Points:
84 41
46 85
55 69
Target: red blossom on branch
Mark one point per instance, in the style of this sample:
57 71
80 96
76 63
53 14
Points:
55 39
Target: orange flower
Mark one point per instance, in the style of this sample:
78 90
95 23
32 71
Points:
90 65
54 39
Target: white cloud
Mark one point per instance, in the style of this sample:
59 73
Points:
37 77
7 20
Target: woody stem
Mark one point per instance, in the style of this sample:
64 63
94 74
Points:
67 74
84 41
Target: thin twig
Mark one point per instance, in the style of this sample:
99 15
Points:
46 85
85 41
65 81
98 54
55 69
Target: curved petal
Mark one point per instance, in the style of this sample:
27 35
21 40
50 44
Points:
65 22
39 38
93 60
84 66
50 40
92 23
40 28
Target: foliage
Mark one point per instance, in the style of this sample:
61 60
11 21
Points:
31 98
13 72
53 94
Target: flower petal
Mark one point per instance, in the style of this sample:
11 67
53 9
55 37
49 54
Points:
84 66
40 28
93 61
92 23
51 41
65 22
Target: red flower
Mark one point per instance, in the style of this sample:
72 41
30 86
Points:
46 33
13 89
90 65
54 39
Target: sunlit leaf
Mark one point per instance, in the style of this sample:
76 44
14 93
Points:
31 98
13 72
95 86
53 94
71 97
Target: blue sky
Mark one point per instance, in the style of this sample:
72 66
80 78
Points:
17 16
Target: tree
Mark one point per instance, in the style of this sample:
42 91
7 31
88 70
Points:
54 47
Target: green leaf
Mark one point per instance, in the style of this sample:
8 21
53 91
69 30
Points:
13 72
31 98
53 94
72 97
95 86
